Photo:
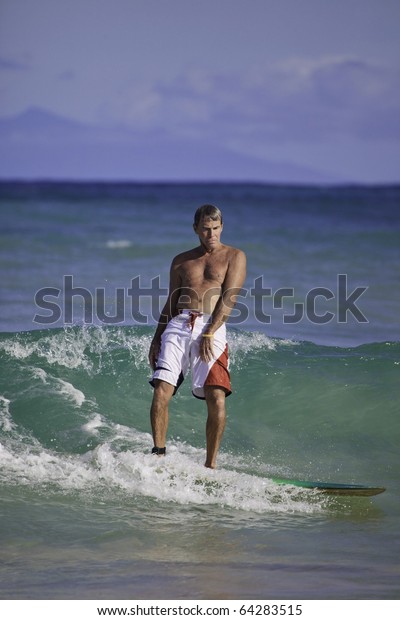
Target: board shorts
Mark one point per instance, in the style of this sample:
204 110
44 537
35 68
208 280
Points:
179 351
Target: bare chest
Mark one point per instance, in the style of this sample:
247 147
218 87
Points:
203 271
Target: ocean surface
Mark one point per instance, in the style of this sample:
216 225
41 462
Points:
85 511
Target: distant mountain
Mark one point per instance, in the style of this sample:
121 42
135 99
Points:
41 145
35 119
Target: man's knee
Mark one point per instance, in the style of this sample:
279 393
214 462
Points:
215 396
163 391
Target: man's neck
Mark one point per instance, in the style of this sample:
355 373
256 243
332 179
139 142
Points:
205 250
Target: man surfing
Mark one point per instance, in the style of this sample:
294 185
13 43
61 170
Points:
191 333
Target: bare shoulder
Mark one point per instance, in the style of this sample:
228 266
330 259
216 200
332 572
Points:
183 257
235 255
236 271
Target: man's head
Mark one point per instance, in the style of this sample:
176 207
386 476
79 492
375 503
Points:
208 226
208 212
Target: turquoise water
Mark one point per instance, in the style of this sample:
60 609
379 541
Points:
87 512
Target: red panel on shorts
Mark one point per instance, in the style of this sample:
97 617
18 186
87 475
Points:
219 374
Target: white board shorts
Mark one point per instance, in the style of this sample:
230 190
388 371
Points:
180 344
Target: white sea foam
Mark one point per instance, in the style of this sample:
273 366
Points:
66 348
244 342
32 467
59 386
39 373
88 348
16 349
6 421
118 244
70 392
93 425
179 478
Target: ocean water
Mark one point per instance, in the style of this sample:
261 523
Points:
86 511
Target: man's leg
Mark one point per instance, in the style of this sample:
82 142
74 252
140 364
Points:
163 392
215 399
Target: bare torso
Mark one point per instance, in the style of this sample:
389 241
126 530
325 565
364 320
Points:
201 276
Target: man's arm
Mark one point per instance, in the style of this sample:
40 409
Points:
231 287
169 310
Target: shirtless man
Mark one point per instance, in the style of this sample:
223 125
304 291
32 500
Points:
204 284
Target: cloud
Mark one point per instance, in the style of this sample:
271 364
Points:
299 101
11 64
137 106
66 76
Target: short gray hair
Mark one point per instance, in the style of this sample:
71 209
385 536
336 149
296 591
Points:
208 212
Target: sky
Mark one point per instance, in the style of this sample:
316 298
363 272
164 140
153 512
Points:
314 83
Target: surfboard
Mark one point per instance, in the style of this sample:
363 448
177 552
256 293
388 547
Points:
333 488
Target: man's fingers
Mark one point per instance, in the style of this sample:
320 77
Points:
206 350
153 356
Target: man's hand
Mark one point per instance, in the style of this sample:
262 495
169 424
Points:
206 348
154 352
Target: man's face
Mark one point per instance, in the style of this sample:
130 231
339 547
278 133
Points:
209 232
